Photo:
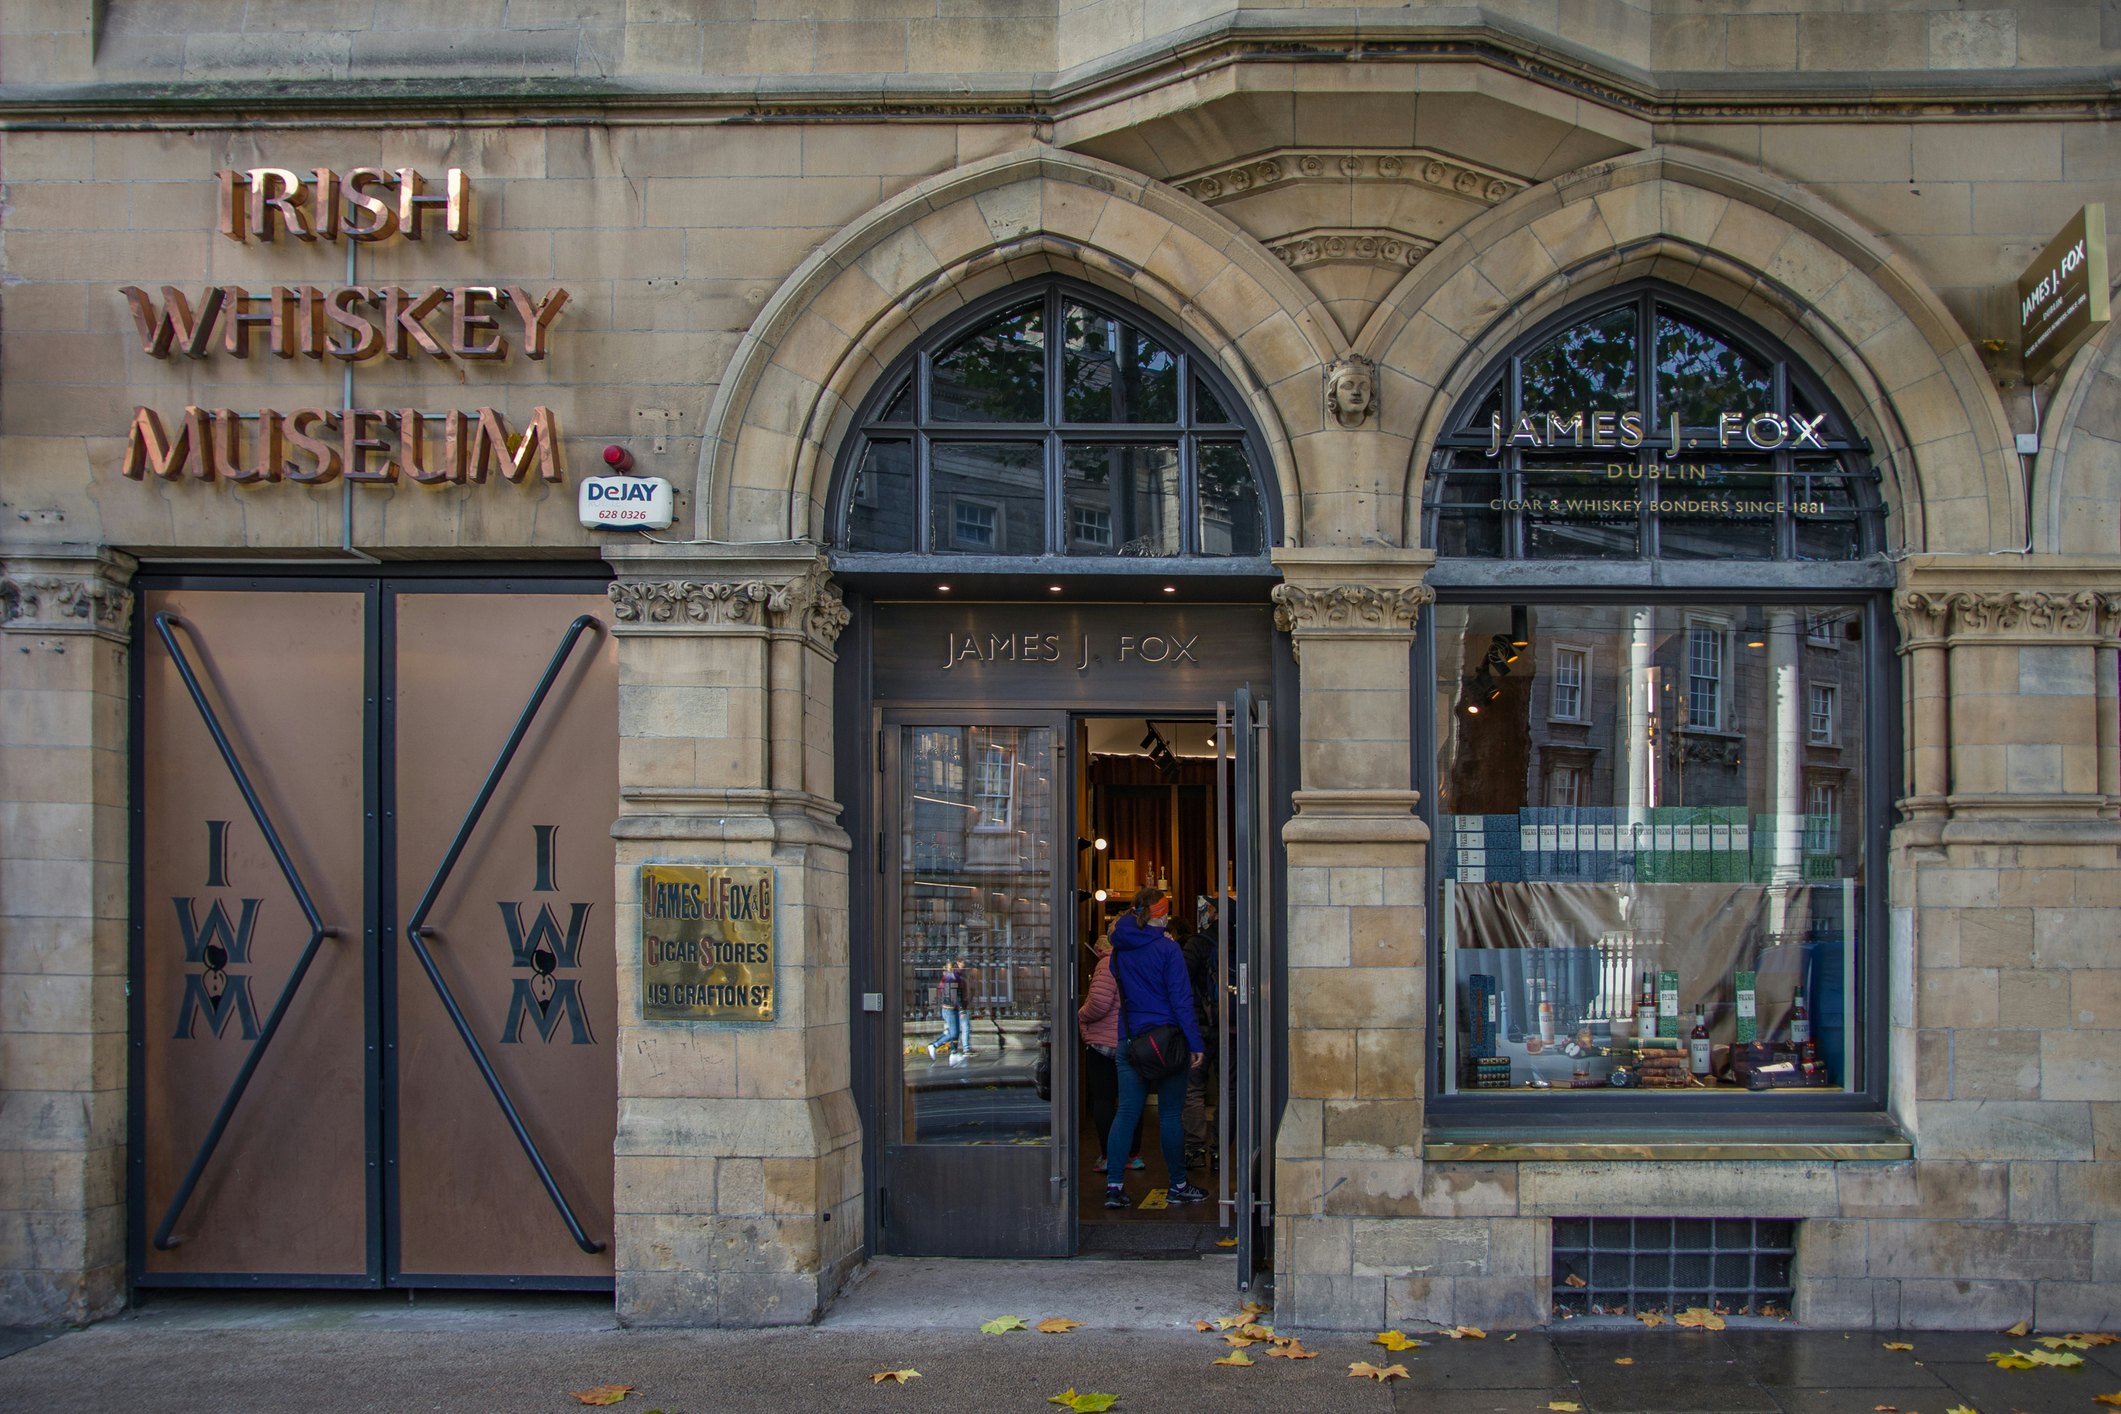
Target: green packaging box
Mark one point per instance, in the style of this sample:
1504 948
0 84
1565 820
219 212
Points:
1668 1004
1748 1009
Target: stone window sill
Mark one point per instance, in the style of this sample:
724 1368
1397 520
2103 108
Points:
1874 1137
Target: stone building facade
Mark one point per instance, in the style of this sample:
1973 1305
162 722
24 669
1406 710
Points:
758 213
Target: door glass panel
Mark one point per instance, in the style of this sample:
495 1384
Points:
976 908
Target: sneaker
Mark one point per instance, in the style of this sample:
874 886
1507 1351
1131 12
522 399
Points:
958 1058
1116 1196
931 1051
1136 1163
1186 1193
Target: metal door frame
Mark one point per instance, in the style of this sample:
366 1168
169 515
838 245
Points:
1248 1096
379 589
887 1024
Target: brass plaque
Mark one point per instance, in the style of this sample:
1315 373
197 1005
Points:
707 950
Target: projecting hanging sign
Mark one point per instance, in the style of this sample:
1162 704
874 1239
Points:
455 324
2063 296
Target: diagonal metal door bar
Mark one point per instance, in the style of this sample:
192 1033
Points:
416 929
318 932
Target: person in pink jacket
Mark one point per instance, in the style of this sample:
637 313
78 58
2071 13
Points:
1098 1018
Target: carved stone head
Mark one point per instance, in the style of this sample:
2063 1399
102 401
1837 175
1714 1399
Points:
1351 389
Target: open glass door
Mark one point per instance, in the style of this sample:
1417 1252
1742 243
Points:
1245 1122
976 1158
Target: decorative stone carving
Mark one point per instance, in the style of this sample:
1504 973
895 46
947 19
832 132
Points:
1304 165
1300 609
2017 610
1351 389
1927 616
810 604
1350 246
66 604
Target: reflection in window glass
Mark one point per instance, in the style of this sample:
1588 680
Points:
1581 515
989 498
1207 408
1727 514
1232 522
1638 846
880 513
1113 373
1132 487
997 374
975 939
900 408
1700 375
1591 365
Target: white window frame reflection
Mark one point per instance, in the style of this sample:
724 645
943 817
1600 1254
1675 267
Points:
958 506
1819 714
1717 634
994 780
1580 710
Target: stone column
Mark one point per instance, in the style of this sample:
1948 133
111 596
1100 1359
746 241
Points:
63 859
1928 717
1360 1239
739 1184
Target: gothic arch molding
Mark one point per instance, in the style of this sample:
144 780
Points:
2078 505
1886 346
836 324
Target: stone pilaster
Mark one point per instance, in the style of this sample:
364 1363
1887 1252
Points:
1348 1154
738 1171
63 858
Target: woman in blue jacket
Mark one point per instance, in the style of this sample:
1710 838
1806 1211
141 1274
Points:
1153 991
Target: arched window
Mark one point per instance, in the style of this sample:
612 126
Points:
1051 423
1650 426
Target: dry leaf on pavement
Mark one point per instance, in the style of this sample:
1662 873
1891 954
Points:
1083 1403
1292 1350
1466 1333
1564 1406
603 1394
1574 1282
1204 1325
1651 1319
2064 1342
1699 1318
2112 1399
2061 1359
2094 1338
1057 1325
1238 1341
1885 1409
1235 1357
2022 1328
2013 1360
1395 1341
1898 1345
1625 1360
1001 1325
1364 1370
1254 1308
1962 1409
901 1376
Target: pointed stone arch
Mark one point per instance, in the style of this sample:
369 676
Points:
1855 313
2077 478
788 397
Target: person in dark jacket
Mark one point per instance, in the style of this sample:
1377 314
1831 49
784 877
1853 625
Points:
1153 991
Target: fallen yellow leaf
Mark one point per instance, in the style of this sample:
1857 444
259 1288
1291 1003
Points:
1204 1325
603 1394
2094 1338
1364 1370
1238 1340
1510 1337
2064 1342
1225 1242
1565 1406
1256 1331
1624 1360
1083 1403
1466 1333
900 1375
1254 1308
1898 1345
1395 1341
1235 1357
2111 1399
1962 1409
1574 1282
2061 1359
1651 1319
1001 1325
1885 1409
1056 1325
2013 1360
1698 1318
2022 1328
1293 1349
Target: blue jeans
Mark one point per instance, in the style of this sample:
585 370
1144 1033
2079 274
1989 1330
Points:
1170 1116
957 1026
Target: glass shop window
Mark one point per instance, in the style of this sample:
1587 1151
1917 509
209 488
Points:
1052 426
1652 873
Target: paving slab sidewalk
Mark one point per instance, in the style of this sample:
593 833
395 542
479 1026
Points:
330 1353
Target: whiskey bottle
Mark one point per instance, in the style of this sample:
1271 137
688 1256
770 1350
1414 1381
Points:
1646 1008
1698 1046
1546 1017
1800 1023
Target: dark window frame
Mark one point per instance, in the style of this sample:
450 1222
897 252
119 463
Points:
913 370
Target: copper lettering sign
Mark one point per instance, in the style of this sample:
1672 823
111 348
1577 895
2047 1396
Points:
707 943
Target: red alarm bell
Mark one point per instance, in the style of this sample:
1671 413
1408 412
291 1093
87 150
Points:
618 458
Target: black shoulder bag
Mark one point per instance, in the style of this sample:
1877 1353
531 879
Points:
1158 1053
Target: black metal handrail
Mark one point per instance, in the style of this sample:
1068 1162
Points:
318 932
416 929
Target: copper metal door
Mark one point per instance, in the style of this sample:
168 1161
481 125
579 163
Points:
501 1145
252 1121
318 1097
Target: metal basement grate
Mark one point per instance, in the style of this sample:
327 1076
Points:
1626 1266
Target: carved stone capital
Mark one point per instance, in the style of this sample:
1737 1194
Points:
84 594
1926 618
808 604
1302 609
2022 613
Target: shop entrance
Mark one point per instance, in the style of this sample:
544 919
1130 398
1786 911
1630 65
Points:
1008 838
373 983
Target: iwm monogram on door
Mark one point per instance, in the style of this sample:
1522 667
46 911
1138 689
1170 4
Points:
374 964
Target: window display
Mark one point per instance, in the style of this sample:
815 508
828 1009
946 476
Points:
1650 854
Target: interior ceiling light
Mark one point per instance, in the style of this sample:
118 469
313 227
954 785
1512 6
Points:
1170 589
942 589
1053 589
